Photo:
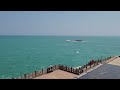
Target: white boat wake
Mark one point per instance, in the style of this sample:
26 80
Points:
77 52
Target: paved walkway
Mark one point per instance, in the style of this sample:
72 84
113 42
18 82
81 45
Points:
57 74
110 70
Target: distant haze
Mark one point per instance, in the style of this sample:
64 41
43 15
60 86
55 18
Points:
60 23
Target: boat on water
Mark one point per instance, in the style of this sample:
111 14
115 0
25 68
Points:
74 40
78 40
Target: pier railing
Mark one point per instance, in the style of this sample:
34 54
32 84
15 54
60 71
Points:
77 71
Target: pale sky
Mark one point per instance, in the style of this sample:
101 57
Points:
65 23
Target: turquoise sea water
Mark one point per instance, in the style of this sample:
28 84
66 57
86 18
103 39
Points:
25 54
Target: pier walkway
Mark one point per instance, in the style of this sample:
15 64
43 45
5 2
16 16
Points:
110 70
107 68
57 74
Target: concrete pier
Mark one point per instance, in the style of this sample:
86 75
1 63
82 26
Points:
57 74
109 70
95 69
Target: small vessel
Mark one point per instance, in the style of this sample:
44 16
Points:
78 40
74 40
